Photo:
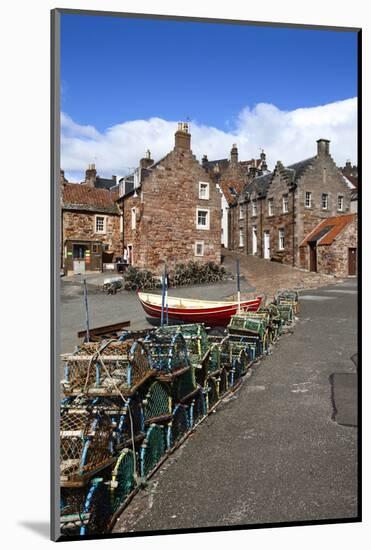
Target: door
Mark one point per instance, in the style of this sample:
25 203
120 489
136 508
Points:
78 252
352 261
313 257
267 246
254 240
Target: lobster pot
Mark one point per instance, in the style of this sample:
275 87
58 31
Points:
212 392
288 297
246 325
287 313
97 508
225 353
152 449
196 339
86 443
184 385
71 510
111 370
213 363
223 382
167 351
122 478
197 409
157 403
178 425
128 423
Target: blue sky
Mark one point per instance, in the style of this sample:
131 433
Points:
115 70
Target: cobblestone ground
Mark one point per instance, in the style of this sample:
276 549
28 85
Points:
267 277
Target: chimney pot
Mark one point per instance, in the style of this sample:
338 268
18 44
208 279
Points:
182 137
323 146
234 153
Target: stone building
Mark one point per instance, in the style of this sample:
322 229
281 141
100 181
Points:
331 247
90 224
277 210
171 209
231 176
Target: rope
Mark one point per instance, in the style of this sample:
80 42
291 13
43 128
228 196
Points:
97 357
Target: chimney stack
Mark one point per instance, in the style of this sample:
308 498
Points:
323 147
146 161
91 175
182 137
234 154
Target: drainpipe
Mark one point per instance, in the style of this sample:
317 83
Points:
293 226
261 229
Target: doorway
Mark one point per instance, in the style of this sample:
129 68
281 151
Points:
352 261
78 254
267 246
313 256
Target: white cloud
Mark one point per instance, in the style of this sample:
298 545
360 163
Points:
288 136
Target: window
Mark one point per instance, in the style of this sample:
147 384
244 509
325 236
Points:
203 190
270 207
254 210
95 249
202 219
199 248
241 237
281 239
324 201
133 218
340 203
100 224
308 199
241 212
285 204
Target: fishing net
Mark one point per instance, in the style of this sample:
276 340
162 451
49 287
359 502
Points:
152 449
157 402
178 425
168 351
98 508
123 480
195 337
183 385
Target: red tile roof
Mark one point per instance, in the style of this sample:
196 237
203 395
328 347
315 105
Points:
334 226
76 196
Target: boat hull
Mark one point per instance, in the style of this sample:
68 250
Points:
213 316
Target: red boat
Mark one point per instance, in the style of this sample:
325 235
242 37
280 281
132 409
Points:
212 313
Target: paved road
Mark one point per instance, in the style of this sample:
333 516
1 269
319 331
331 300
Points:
272 453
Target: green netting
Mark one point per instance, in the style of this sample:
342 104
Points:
212 392
225 353
98 506
287 313
167 350
157 401
184 384
214 359
122 482
152 449
248 325
178 425
198 408
196 339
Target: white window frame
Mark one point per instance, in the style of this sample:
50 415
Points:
281 239
133 217
324 196
201 185
341 198
285 203
203 227
202 244
241 238
270 207
254 209
310 199
100 231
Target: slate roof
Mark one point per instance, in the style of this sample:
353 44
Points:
78 196
293 172
328 229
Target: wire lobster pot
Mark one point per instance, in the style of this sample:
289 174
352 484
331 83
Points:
178 425
86 443
287 313
288 297
157 403
167 351
106 369
196 339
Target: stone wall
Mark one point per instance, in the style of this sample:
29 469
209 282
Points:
333 259
79 225
166 214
